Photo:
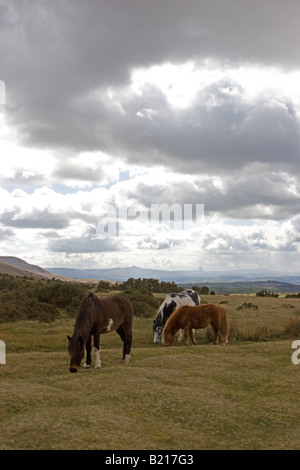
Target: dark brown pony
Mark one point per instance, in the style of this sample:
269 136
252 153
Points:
97 316
200 316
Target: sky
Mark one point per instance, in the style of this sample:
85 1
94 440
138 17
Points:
161 134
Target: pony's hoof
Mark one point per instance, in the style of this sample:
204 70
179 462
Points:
86 366
126 359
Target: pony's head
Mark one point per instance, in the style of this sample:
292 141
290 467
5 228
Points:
168 338
76 352
157 334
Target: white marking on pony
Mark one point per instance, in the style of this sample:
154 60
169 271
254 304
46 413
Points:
186 297
85 366
127 358
110 324
97 358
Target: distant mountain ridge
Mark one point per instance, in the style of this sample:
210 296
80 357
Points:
221 281
180 276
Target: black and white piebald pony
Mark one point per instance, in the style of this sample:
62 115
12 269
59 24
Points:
169 305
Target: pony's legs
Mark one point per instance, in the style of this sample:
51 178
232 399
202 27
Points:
97 351
179 336
189 332
224 337
216 332
88 346
192 336
127 345
126 336
186 335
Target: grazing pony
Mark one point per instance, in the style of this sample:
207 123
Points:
97 316
169 305
187 317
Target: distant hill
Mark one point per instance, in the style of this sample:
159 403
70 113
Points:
18 267
122 274
11 270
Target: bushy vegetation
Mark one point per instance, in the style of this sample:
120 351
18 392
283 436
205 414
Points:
149 284
143 301
47 300
202 290
265 293
24 299
292 327
140 293
153 285
249 305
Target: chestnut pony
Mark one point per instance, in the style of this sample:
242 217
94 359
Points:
200 316
97 316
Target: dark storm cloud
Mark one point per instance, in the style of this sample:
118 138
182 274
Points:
253 195
36 219
220 132
56 54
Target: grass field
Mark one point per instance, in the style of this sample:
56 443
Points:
241 396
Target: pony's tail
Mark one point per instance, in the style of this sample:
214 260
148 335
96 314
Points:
224 326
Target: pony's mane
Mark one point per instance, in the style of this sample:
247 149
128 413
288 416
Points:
86 315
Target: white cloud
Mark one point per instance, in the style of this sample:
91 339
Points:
135 106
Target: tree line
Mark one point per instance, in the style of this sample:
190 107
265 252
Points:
151 284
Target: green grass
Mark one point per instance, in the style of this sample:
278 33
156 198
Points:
241 396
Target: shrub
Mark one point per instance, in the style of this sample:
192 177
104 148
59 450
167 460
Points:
22 299
259 334
248 305
143 301
61 294
104 286
292 327
153 285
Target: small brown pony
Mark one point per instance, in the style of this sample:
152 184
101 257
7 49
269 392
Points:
200 316
97 316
